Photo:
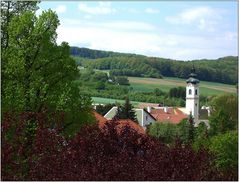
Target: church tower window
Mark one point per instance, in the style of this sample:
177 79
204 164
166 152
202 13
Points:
196 92
190 92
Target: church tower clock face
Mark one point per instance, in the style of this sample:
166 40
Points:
192 95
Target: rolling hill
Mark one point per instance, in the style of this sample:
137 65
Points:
222 70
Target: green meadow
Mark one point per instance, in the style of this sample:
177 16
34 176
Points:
165 84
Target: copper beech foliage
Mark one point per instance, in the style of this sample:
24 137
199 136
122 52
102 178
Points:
36 152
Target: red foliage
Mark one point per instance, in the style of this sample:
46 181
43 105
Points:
95 154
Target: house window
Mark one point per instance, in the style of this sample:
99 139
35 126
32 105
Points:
146 118
196 92
190 92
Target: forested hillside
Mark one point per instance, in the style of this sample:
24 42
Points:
223 70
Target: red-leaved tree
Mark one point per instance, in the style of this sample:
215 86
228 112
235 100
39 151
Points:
99 154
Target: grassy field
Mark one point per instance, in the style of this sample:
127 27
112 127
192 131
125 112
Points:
206 88
165 84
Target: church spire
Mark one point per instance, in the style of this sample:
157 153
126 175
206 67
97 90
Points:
193 76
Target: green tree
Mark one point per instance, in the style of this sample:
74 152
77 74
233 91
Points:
158 92
100 85
178 92
122 80
220 122
191 128
225 148
103 109
183 130
38 73
9 10
99 76
224 114
164 131
201 138
126 111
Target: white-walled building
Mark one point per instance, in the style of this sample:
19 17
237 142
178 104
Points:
143 117
149 113
192 96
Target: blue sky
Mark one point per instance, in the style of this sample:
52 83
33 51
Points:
179 30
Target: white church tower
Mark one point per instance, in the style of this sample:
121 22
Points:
192 95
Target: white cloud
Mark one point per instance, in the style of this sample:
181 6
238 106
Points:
117 25
230 36
143 38
87 16
128 25
60 9
205 18
103 8
151 11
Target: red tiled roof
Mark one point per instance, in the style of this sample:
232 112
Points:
145 105
123 123
98 117
173 115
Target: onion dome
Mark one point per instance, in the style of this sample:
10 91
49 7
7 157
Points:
192 77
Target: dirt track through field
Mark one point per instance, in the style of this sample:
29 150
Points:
156 81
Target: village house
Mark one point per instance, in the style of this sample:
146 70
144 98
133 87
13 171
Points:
149 113
143 117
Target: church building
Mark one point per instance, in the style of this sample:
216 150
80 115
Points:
192 96
157 113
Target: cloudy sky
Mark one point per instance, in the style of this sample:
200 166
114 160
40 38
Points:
177 30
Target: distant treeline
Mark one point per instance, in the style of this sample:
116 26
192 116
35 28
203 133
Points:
223 70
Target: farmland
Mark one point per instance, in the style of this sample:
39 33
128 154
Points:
206 88
142 84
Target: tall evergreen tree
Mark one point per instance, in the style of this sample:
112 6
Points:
190 129
126 111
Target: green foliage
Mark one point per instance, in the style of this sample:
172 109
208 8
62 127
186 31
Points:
100 76
126 112
183 128
225 148
220 123
9 10
122 80
158 92
228 103
223 70
94 83
201 139
178 92
99 86
164 131
169 132
224 114
103 109
201 130
39 74
94 54
124 66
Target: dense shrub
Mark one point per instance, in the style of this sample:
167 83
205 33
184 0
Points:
96 154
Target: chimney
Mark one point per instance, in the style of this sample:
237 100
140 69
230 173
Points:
165 109
149 109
